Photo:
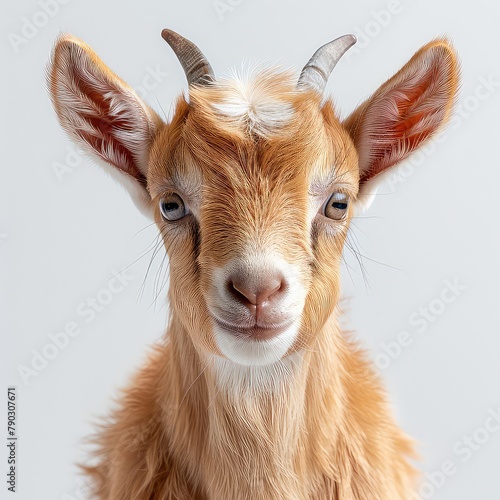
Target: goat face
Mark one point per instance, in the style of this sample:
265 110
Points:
252 184
258 181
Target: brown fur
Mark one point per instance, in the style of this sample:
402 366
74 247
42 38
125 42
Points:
324 431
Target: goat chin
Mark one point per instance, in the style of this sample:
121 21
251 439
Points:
249 352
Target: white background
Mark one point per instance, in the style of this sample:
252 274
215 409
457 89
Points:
62 239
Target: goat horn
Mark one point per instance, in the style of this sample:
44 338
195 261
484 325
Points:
316 72
195 64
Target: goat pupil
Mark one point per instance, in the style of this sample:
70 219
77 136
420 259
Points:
170 207
338 205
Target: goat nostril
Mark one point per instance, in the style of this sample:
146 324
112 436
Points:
269 291
255 295
241 294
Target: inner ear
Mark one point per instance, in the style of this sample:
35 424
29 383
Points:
100 110
109 124
104 115
406 110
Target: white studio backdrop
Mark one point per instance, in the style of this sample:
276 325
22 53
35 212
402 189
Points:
421 277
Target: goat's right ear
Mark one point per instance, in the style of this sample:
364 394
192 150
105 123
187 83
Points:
104 115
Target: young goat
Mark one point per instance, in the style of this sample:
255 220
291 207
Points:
255 392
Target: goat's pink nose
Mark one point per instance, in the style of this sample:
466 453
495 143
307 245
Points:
256 295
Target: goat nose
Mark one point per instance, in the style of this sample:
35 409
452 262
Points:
256 294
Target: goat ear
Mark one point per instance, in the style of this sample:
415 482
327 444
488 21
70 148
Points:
103 114
404 112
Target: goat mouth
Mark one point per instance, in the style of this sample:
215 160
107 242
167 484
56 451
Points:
253 332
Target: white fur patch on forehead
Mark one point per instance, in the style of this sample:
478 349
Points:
256 102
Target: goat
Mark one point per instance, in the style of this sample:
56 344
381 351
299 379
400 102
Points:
255 392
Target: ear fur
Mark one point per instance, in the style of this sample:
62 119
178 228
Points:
103 114
404 112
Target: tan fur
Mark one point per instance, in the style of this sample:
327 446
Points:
322 429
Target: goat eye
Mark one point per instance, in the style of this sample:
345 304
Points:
172 207
336 206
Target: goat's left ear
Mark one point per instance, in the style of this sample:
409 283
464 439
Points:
404 112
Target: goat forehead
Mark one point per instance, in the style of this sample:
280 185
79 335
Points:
233 151
257 104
